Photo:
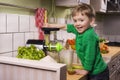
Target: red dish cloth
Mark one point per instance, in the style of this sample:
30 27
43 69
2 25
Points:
39 21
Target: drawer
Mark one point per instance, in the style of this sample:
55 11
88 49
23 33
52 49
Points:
118 59
113 65
113 76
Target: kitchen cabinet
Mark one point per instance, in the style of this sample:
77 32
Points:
99 5
118 73
12 68
114 67
113 6
70 3
113 76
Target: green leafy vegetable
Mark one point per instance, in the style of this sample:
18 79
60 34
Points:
30 52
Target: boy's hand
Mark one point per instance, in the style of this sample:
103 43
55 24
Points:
83 72
61 26
45 25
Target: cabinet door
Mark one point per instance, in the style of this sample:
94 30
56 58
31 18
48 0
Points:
67 3
113 76
103 5
118 73
84 1
70 3
99 5
113 65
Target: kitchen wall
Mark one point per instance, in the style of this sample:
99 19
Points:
108 27
15 30
25 3
18 25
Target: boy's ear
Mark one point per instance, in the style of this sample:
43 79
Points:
92 22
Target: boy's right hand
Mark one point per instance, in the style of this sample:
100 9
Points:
45 25
61 26
83 72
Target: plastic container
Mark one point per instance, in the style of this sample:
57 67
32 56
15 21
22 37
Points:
66 56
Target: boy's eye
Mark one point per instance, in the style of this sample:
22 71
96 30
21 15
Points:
75 20
81 20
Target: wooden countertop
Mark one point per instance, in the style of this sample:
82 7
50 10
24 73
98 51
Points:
76 77
112 52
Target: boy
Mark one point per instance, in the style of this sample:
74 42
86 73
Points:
87 42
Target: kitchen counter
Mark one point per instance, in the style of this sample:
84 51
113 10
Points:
12 68
76 77
113 51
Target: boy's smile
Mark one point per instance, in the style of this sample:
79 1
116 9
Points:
81 22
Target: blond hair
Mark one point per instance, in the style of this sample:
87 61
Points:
84 9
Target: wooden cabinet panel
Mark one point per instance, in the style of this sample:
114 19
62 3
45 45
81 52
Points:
70 3
114 67
113 76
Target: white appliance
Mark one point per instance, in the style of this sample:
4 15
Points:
70 3
99 5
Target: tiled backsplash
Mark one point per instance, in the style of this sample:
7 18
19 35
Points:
6 42
15 30
12 22
3 23
109 28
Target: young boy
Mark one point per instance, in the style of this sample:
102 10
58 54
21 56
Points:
87 42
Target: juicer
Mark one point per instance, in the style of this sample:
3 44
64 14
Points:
45 44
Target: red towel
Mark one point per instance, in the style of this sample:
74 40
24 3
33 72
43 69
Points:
40 17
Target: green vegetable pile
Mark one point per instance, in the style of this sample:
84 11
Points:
30 52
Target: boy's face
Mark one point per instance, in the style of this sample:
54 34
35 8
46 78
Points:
81 22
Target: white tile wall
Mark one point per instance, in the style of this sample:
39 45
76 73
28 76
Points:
18 40
32 24
36 35
2 22
29 36
106 36
14 54
15 30
9 54
61 20
109 28
5 42
12 22
24 23
63 35
117 38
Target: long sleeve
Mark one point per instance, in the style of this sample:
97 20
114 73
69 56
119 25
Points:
90 52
